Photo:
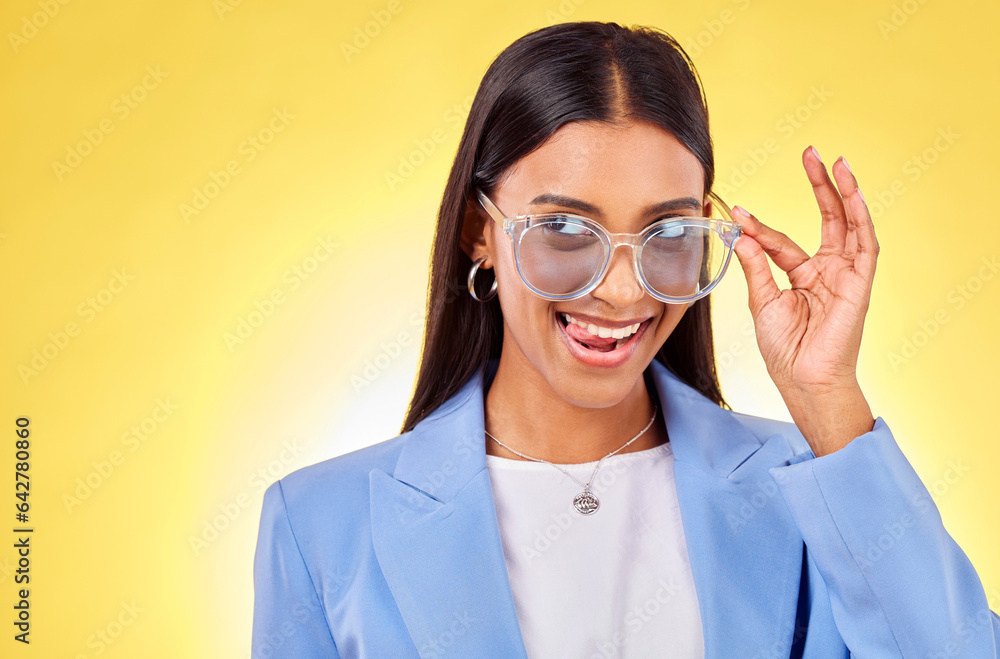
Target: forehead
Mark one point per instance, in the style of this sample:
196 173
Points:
616 167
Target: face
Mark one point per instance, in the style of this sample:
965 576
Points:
613 174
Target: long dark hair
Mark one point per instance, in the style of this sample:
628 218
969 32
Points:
585 71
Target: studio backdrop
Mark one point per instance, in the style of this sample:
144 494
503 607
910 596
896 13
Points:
215 227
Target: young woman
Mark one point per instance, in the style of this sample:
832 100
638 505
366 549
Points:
569 481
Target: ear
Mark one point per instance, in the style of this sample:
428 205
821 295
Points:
476 238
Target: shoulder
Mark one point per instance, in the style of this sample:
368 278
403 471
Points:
342 478
324 502
319 518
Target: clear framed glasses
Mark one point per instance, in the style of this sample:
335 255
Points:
563 256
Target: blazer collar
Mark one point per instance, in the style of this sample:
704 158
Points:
436 536
702 434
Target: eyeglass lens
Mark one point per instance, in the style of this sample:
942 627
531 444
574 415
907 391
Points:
562 257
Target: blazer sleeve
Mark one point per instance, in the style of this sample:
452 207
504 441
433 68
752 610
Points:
288 617
899 584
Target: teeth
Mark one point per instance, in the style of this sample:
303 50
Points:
605 332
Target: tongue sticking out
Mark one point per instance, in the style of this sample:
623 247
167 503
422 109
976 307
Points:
588 339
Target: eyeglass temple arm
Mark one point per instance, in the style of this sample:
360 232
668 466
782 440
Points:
727 212
491 208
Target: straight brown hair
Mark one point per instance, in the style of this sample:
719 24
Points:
584 71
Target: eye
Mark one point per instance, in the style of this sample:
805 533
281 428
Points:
667 230
567 227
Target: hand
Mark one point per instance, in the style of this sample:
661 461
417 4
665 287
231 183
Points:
810 335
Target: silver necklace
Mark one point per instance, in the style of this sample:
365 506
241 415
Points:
585 502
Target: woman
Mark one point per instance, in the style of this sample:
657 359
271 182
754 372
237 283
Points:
569 481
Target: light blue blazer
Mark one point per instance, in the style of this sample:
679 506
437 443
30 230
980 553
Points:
393 551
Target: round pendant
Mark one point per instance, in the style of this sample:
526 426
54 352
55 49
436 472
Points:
586 503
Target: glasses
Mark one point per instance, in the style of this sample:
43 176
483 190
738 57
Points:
562 256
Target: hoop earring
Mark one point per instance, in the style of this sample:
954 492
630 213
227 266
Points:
472 282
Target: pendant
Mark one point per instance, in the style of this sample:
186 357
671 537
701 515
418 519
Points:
586 503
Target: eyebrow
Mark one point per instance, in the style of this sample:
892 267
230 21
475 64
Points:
681 203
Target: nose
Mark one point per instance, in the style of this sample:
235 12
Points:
620 286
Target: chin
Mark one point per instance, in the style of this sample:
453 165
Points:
598 391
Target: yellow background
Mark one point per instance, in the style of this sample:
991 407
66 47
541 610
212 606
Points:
874 81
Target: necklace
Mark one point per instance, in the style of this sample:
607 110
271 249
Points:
585 502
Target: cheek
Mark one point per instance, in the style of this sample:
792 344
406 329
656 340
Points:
524 313
517 299
508 282
503 260
671 316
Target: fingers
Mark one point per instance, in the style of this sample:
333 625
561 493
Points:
760 283
862 245
847 185
831 204
782 249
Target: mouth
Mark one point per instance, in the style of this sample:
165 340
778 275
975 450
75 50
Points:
595 350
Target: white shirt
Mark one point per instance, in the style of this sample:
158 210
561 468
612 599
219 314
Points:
615 584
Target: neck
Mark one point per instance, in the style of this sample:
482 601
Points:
536 421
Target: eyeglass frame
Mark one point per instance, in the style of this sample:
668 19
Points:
509 223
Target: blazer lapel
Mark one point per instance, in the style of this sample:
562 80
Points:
437 539
746 553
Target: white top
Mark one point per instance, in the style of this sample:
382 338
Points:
615 584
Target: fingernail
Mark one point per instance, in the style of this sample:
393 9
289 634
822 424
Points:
844 160
816 153
862 195
742 211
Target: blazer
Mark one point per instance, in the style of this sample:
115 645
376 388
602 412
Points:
394 550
